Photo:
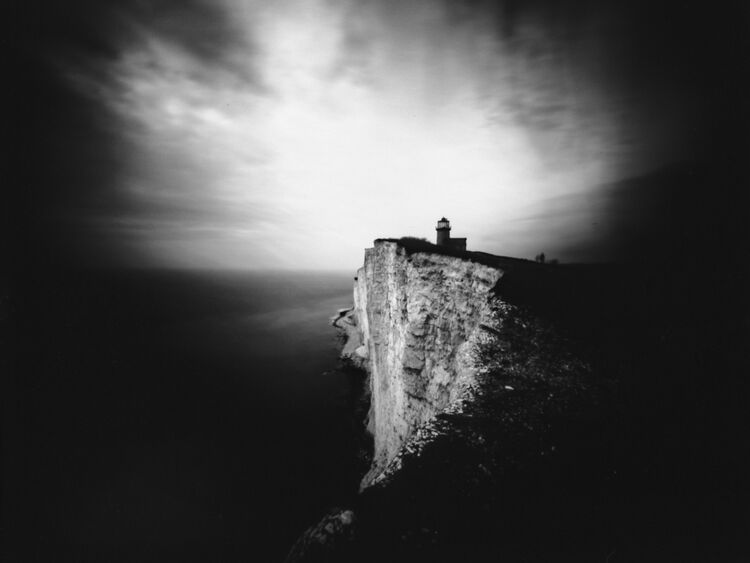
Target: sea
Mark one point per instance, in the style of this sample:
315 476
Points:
185 416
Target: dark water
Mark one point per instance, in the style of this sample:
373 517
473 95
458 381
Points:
186 416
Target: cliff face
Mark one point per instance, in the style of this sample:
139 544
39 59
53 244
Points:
417 319
545 458
481 390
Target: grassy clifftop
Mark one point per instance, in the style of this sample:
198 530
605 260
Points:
414 245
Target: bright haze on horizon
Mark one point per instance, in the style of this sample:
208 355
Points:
290 134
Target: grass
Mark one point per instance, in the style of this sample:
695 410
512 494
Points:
414 245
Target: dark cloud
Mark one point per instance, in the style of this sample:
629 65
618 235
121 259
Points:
674 77
68 148
66 153
104 29
656 56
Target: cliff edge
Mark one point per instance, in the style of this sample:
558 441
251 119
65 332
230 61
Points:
470 398
417 318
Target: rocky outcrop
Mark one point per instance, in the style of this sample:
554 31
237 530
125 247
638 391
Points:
326 540
415 323
354 351
485 417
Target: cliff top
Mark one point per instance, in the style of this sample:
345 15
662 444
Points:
584 298
414 245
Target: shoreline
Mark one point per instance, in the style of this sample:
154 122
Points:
354 350
339 315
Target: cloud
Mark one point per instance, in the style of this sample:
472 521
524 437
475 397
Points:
313 127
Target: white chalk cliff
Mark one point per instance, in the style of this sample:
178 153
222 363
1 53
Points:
414 326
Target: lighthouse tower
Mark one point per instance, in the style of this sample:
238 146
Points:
443 232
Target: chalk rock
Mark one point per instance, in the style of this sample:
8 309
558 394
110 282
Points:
418 317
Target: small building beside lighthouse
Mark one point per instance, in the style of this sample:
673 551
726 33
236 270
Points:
444 236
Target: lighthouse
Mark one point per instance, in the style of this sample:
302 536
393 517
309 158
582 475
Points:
443 232
444 236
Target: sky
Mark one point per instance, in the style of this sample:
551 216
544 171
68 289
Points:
289 134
